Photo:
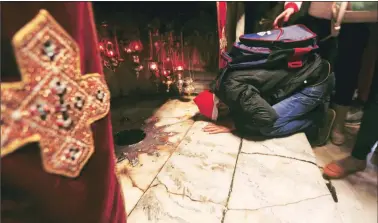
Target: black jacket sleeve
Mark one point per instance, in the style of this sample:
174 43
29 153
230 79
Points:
248 107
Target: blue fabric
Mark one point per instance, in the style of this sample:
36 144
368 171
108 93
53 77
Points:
267 35
300 111
261 50
289 33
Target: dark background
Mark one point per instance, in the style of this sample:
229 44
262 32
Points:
165 10
181 16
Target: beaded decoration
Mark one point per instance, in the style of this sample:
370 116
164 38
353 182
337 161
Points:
53 104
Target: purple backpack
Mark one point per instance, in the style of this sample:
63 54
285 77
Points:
287 46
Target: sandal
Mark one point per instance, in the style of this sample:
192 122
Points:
342 168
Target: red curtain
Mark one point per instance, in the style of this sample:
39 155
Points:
222 13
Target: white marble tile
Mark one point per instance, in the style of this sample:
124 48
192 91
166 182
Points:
159 206
149 165
197 135
147 168
318 210
200 169
131 193
357 195
176 108
202 176
262 181
294 146
176 128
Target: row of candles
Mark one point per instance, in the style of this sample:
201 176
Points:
160 73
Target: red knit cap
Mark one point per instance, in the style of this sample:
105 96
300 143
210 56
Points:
207 104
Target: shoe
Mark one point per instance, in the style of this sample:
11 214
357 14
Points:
344 167
337 135
325 130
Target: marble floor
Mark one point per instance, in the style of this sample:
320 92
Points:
357 194
181 174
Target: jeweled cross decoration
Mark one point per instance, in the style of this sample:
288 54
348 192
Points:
53 104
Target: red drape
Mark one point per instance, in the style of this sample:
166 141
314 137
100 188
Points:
29 194
222 13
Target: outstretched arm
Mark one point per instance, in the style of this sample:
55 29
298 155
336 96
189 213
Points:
290 9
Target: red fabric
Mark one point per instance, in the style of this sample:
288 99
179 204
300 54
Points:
292 5
297 57
206 105
222 13
29 194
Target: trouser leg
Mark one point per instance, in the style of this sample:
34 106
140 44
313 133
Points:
299 111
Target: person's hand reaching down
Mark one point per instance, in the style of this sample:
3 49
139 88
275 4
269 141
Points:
283 17
212 128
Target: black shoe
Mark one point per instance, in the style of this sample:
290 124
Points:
324 131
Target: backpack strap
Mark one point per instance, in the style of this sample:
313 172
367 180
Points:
338 16
296 60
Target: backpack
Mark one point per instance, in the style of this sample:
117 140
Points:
282 48
287 46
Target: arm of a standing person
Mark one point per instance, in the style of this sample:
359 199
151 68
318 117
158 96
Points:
289 10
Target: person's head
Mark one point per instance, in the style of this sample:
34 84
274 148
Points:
210 106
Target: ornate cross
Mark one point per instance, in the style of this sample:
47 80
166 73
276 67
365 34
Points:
53 104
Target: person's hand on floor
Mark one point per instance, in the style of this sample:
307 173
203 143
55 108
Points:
212 128
283 17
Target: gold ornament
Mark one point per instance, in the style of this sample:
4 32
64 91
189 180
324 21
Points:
53 104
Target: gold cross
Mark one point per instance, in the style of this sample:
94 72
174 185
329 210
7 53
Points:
53 104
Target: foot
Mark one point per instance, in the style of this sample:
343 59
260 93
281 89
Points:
344 167
325 130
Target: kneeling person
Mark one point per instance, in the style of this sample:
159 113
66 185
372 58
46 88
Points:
272 103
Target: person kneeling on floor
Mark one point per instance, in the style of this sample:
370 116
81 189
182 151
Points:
271 102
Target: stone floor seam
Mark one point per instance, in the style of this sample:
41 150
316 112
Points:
286 157
161 168
182 195
280 205
232 180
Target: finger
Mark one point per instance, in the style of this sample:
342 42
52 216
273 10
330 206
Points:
276 22
207 128
215 131
278 18
211 129
210 126
219 131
